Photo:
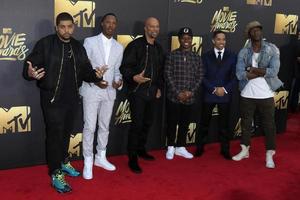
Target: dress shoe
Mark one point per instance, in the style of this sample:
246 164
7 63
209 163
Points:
133 164
226 155
101 161
269 159
243 154
181 151
170 153
199 151
143 154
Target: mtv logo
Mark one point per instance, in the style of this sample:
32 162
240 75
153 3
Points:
286 24
238 129
189 1
191 134
281 100
215 111
126 39
197 44
122 115
83 12
15 119
260 2
75 145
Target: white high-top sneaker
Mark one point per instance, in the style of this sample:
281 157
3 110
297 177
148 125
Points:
269 159
101 161
181 151
243 154
170 153
88 168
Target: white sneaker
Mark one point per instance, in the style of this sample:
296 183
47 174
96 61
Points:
170 152
243 154
181 151
88 168
269 159
101 161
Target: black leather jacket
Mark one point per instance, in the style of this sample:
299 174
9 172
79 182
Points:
48 54
139 55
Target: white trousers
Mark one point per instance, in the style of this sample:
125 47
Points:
93 109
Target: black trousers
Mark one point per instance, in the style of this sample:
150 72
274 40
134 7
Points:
59 121
177 114
142 111
266 111
223 124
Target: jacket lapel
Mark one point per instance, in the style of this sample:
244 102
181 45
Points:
100 48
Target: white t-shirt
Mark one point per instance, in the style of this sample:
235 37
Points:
257 88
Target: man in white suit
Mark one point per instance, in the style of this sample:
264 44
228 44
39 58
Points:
98 98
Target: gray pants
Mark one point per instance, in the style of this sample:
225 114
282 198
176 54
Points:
93 109
265 108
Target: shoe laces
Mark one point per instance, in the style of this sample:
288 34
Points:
69 166
61 178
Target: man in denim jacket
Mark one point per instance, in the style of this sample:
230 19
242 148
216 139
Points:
257 68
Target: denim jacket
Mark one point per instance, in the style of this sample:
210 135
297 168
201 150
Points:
268 59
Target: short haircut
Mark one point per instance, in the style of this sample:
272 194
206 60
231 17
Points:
108 14
64 16
215 33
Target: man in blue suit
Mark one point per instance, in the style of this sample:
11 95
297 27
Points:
219 80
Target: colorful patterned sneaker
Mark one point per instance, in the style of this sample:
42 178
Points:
69 169
59 183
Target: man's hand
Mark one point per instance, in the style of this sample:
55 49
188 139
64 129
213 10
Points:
117 84
184 96
257 71
102 84
158 93
298 59
181 97
219 91
100 71
251 75
139 78
34 72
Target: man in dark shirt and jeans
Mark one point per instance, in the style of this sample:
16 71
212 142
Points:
142 73
59 64
183 74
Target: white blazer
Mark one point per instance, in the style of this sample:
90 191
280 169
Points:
96 55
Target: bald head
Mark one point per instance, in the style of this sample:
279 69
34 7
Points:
151 28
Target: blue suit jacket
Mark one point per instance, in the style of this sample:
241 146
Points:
218 75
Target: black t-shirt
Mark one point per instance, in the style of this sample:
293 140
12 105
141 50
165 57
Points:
68 93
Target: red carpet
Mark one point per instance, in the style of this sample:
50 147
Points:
207 178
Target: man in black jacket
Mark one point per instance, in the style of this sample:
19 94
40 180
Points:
59 63
142 73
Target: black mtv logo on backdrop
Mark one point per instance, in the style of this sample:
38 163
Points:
15 120
83 12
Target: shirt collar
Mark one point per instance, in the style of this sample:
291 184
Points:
105 39
217 50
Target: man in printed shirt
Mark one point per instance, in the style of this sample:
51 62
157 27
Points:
183 74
